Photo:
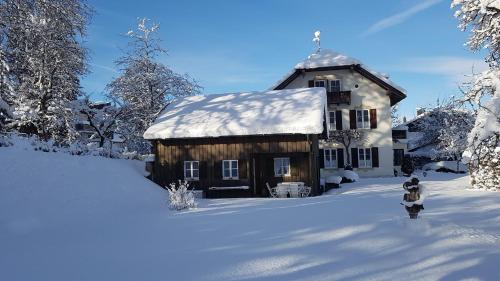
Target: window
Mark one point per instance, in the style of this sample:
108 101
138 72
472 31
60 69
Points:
230 169
363 119
191 170
331 118
335 86
398 156
281 167
320 83
364 158
330 158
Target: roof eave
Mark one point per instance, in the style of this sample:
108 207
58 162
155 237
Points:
395 94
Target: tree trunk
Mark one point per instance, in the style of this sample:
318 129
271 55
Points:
347 151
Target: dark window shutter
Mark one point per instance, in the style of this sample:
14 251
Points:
311 83
375 157
203 170
373 118
340 157
352 119
218 169
338 119
294 166
354 157
242 168
326 85
321 158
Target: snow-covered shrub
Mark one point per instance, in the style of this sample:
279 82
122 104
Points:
349 176
180 197
334 179
408 166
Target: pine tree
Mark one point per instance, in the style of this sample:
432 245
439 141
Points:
46 59
145 85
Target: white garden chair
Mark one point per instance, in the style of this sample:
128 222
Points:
304 191
272 191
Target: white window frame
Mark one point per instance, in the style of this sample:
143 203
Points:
333 162
364 123
365 162
191 170
232 170
320 80
333 125
340 85
279 172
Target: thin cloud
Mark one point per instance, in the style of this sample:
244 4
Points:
400 17
457 69
107 68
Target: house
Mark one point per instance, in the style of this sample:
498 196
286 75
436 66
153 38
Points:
400 145
233 144
358 98
236 143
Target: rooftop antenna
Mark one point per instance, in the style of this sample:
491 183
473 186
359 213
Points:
317 39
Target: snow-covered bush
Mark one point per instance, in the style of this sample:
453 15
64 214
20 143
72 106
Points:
334 179
180 197
349 176
408 165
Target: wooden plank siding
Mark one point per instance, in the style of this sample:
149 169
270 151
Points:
301 149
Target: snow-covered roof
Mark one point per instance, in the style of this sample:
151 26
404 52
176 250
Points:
330 58
291 111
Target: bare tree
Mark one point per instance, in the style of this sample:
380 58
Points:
346 138
101 118
43 48
145 85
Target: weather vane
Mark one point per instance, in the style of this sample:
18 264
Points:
317 40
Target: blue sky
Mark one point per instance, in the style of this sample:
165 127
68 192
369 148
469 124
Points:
231 46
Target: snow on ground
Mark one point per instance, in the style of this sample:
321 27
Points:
67 217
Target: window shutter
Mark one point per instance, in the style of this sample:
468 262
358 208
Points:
373 118
354 157
203 172
375 157
352 119
311 83
338 119
294 167
340 157
321 158
326 86
242 168
218 169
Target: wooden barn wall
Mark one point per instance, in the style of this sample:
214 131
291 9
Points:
171 154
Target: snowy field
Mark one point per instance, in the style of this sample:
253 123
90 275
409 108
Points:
65 217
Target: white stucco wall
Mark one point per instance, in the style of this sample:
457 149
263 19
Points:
367 95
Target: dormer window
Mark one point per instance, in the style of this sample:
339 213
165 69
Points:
335 86
320 83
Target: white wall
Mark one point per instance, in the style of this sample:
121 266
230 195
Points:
367 95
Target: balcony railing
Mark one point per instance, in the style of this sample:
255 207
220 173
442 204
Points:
342 97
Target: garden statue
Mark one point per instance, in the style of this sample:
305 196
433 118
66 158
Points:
414 196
